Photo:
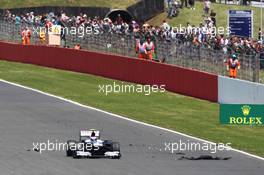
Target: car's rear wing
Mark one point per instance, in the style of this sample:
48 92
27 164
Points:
88 133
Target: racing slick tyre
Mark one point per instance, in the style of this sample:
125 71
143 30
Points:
69 152
116 147
74 154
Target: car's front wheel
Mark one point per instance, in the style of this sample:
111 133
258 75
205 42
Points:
116 147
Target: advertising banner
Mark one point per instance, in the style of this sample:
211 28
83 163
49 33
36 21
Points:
241 22
241 114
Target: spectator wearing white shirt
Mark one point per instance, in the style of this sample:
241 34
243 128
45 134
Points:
165 26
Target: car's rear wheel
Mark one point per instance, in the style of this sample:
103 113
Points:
74 154
69 152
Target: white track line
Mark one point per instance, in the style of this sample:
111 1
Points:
128 119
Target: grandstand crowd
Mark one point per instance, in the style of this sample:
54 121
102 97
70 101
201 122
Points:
203 35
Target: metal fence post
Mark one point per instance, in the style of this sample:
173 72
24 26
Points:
256 68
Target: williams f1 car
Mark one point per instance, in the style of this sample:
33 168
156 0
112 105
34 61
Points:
91 146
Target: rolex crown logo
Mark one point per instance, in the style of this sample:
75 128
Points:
246 110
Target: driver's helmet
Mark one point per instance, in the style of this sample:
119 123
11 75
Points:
93 134
93 137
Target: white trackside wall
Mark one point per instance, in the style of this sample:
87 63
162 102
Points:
234 91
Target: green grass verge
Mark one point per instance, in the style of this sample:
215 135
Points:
185 114
261 76
195 17
79 3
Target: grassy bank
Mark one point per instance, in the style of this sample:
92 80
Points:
185 114
261 76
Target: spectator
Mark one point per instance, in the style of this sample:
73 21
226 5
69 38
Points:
261 57
213 17
165 26
207 5
141 50
162 60
42 36
18 20
77 47
169 3
119 19
244 2
173 8
260 35
192 3
184 2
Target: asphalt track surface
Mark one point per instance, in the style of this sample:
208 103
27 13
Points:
27 116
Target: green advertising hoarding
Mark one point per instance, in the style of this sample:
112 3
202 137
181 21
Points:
241 114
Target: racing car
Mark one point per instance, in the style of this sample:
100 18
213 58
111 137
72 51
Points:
91 146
